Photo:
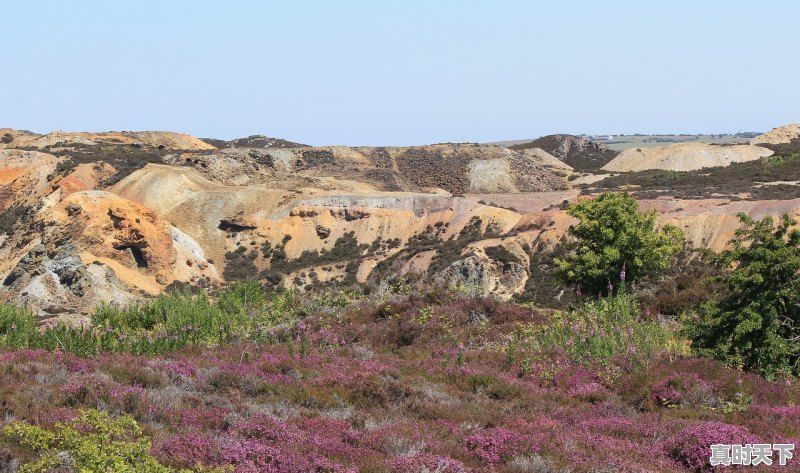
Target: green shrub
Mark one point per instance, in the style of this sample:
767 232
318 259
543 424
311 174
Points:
94 441
491 387
755 322
242 297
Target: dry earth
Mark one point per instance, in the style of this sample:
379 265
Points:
780 135
684 157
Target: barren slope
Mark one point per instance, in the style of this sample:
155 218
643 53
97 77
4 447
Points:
684 157
164 139
780 135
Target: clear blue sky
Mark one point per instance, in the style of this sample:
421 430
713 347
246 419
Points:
399 72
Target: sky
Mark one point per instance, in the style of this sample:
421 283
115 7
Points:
381 72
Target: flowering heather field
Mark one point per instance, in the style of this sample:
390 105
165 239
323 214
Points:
437 382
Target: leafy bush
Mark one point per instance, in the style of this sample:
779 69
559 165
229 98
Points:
755 323
614 236
93 441
174 314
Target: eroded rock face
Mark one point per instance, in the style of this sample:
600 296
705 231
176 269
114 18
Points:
24 176
115 228
482 275
72 235
52 280
575 151
93 247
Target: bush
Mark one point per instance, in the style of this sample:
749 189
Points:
692 445
168 322
496 445
491 386
93 441
755 322
614 236
501 254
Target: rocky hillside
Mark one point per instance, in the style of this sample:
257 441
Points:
253 141
161 139
579 153
86 220
110 217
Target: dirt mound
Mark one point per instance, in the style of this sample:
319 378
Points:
549 161
684 157
429 167
10 138
158 139
780 135
24 176
577 152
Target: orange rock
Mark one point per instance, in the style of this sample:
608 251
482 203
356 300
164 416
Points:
109 226
85 177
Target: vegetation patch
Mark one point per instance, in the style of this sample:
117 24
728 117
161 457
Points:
408 379
734 181
126 159
91 441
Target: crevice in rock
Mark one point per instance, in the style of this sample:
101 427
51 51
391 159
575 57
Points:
230 226
137 253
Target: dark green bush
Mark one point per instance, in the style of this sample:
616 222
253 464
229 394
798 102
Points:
755 322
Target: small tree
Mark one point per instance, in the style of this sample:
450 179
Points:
612 236
755 322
